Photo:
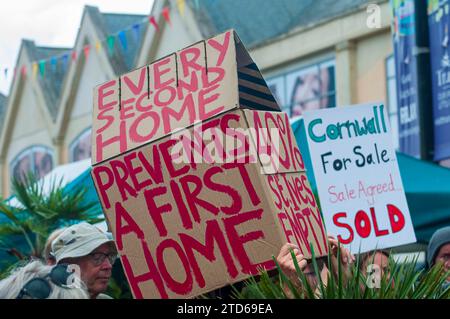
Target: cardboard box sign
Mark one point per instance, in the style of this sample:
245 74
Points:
209 205
208 78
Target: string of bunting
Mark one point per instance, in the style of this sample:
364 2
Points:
40 66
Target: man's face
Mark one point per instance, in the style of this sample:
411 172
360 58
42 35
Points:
94 274
444 257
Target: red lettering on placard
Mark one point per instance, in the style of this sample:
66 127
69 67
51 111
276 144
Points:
121 138
160 68
103 186
395 213
237 241
192 196
121 175
213 234
124 229
189 60
152 274
222 48
135 136
187 110
102 116
336 221
103 93
362 224
136 88
236 200
156 211
126 110
204 100
183 287
378 232
247 181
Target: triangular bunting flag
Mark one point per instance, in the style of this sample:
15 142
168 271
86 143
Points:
110 41
23 70
86 49
152 20
65 60
53 64
98 46
123 39
180 4
166 15
136 32
42 67
74 55
35 68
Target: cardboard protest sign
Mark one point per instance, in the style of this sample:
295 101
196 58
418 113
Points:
186 227
206 79
355 166
199 189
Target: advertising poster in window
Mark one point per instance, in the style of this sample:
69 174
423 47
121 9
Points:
406 70
22 167
80 149
311 88
438 21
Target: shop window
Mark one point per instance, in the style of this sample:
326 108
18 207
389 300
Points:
36 159
307 88
80 148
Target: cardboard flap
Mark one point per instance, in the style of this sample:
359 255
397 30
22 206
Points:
253 90
274 142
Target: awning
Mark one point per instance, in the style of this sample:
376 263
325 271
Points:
427 187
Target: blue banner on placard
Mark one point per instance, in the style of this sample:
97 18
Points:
438 21
406 76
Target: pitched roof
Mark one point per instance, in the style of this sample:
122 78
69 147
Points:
258 21
122 59
51 81
3 105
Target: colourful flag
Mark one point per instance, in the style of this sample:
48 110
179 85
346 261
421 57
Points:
42 67
86 49
123 39
74 55
23 70
166 14
152 20
110 41
136 31
180 4
98 45
65 60
35 68
53 63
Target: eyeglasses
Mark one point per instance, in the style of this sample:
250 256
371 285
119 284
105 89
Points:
98 258
445 257
39 288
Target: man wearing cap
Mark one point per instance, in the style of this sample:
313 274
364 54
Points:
92 250
439 250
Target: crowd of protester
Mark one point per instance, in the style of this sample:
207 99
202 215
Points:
78 264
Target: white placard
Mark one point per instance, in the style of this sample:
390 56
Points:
357 176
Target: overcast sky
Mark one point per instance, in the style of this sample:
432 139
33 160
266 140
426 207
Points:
49 23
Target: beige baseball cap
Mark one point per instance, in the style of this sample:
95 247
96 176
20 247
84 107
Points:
79 240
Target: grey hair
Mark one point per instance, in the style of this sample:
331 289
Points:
11 286
47 253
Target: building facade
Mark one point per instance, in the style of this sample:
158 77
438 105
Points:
313 54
